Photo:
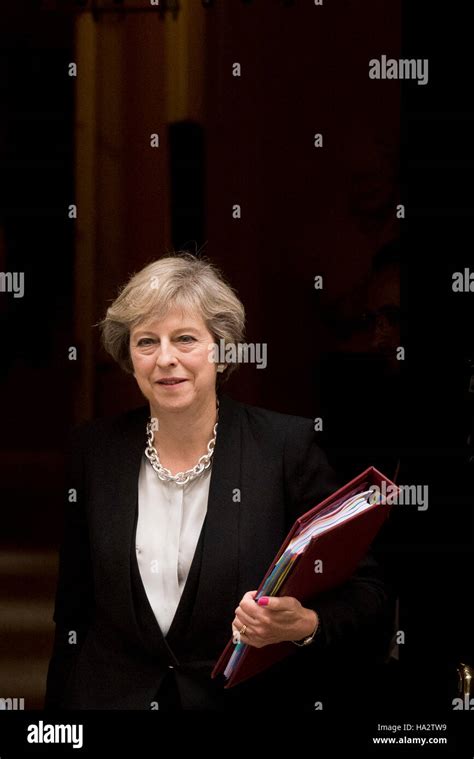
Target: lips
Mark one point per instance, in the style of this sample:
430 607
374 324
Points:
171 381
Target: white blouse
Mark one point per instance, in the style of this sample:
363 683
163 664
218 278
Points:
170 519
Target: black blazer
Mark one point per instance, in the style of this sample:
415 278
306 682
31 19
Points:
109 651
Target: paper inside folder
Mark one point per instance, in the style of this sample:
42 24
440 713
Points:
331 517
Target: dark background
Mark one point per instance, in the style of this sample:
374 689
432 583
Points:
305 212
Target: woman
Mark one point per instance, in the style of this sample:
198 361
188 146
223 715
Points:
177 509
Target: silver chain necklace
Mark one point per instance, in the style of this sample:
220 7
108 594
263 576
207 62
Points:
180 478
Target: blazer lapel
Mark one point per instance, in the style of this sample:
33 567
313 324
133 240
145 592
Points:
216 565
123 522
214 569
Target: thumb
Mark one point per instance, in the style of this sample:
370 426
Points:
269 602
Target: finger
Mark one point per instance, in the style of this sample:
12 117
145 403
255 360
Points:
250 610
272 603
278 603
241 637
236 624
245 618
249 596
248 607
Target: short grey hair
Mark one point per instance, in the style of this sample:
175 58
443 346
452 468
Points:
177 280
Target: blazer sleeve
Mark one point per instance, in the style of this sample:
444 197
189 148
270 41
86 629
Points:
74 600
361 611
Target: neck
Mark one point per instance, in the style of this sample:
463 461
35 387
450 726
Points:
185 431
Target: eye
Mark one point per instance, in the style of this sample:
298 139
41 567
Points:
187 338
144 341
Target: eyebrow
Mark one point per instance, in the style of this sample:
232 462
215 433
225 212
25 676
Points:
178 329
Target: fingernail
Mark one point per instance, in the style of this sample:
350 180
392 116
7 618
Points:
263 601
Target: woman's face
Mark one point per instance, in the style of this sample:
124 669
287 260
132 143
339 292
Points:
176 347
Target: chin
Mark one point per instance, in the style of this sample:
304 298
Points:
172 399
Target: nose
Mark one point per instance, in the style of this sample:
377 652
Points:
165 355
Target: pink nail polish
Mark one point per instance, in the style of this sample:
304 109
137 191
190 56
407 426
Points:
263 601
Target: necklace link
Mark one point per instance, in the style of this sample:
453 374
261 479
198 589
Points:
180 478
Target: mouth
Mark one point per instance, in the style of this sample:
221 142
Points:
170 382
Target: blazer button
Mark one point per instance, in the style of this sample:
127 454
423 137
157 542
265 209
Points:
170 666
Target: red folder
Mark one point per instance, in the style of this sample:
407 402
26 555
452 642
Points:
340 549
